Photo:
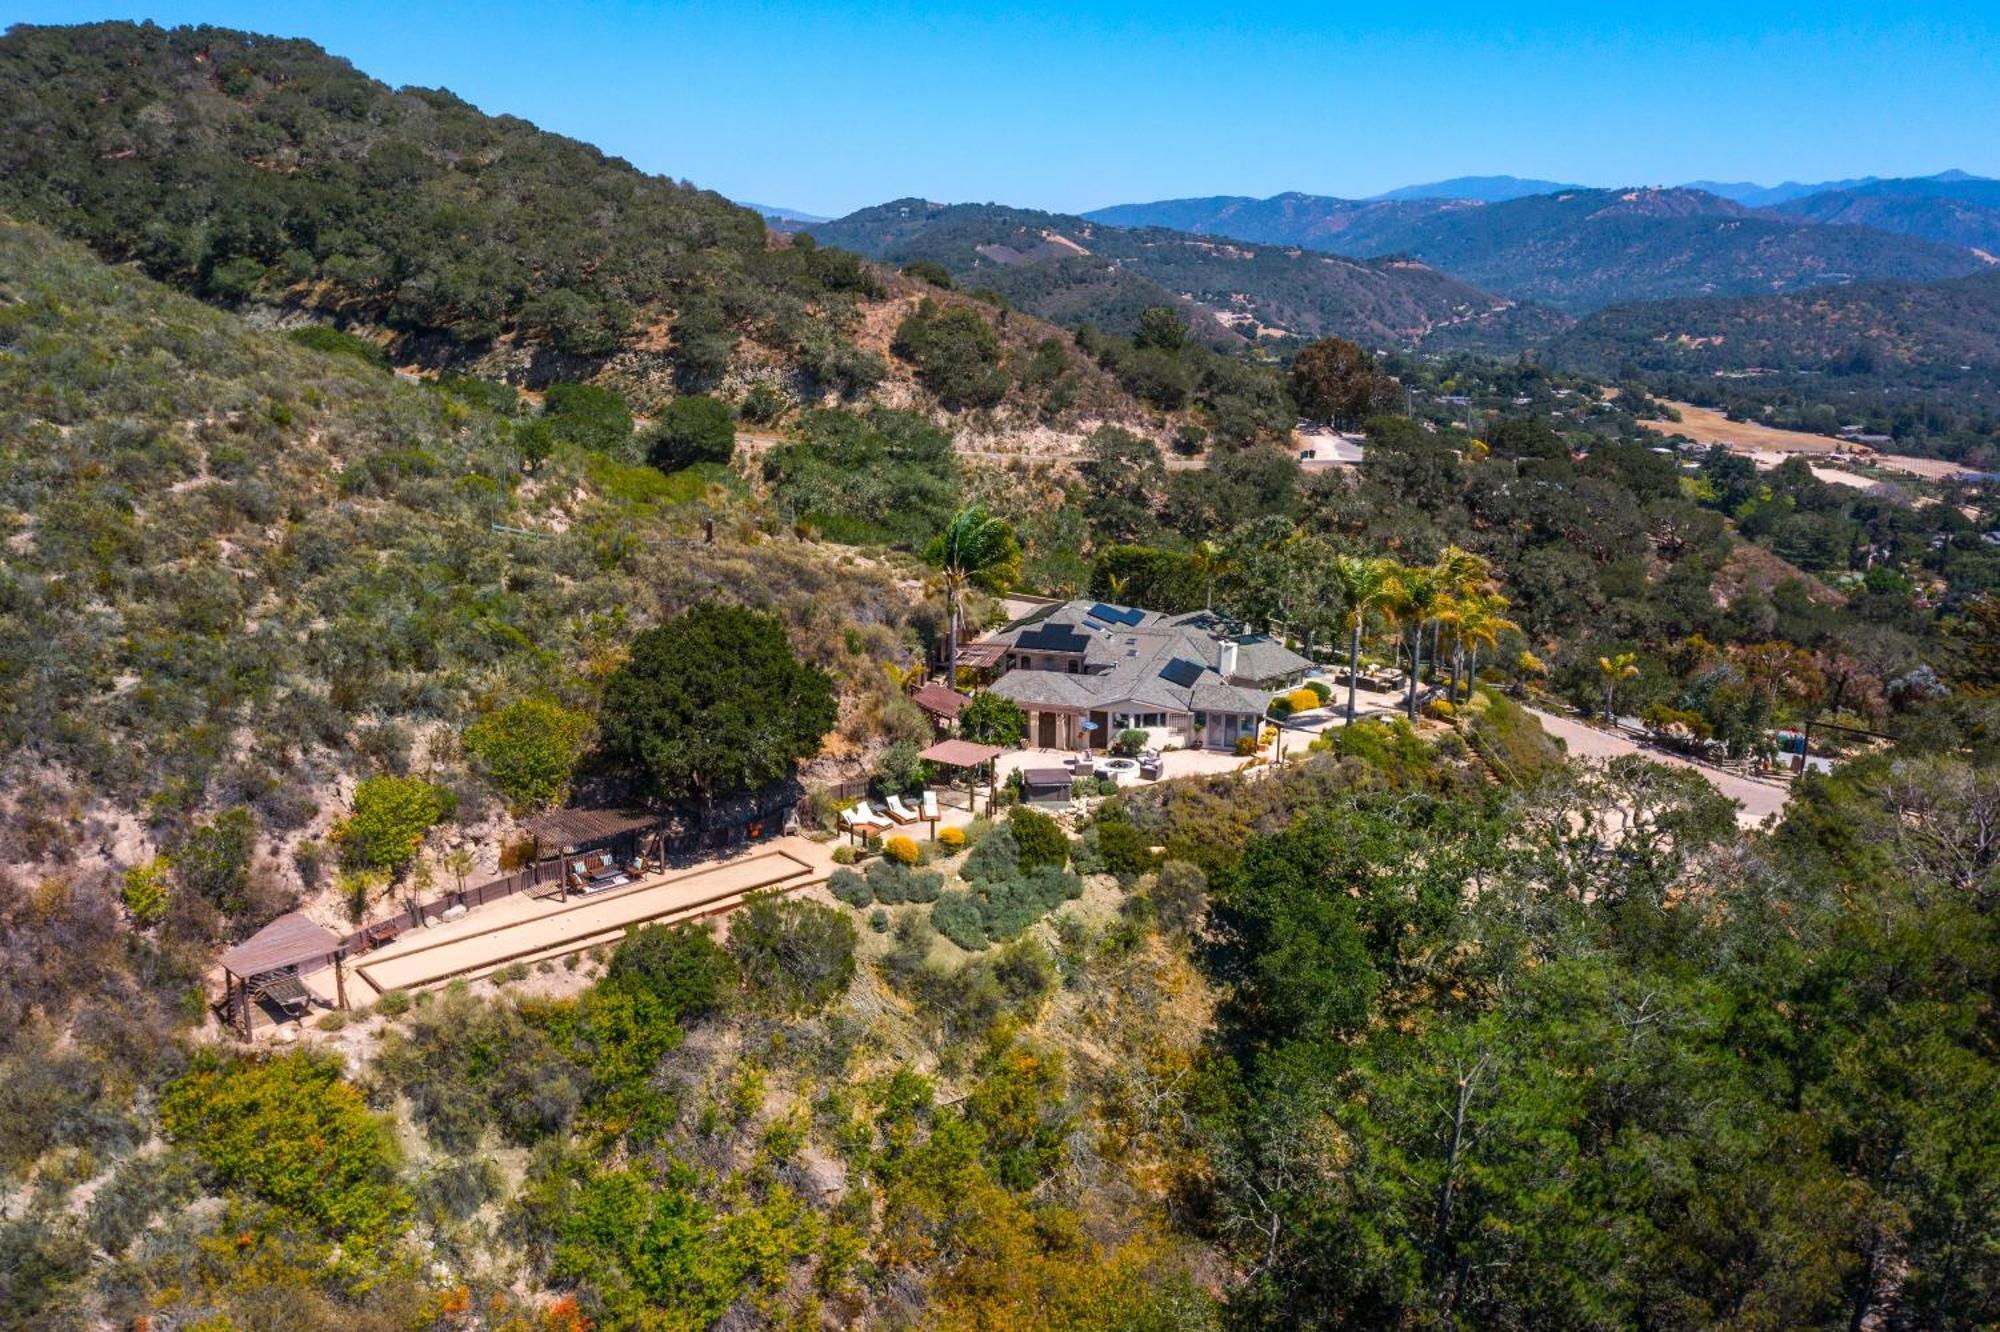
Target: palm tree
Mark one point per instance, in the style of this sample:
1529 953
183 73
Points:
1208 561
1364 586
1476 622
1615 671
1414 602
975 547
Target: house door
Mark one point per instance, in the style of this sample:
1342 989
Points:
1047 737
1100 738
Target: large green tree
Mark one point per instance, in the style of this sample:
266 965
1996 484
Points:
714 703
1337 381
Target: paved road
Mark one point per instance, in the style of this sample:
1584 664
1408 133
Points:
1759 799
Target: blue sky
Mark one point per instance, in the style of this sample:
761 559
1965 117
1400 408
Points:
830 107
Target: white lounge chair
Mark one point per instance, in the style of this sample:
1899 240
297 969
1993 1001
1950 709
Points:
901 812
860 816
930 808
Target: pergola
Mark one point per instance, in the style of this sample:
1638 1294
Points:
266 965
941 702
563 833
966 755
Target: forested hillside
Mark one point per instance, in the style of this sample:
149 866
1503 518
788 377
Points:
1073 269
1581 249
260 171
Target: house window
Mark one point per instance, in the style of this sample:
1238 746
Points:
1075 666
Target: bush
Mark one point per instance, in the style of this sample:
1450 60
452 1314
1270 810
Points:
289 1132
951 839
794 955
1130 742
213 861
845 855
1246 745
901 849
898 769
893 883
992 719
588 417
332 341
529 750
1304 699
1180 897
1440 709
145 892
958 919
997 856
1122 849
1281 706
878 921
689 430
393 1004
1320 690
849 887
681 966
930 271
390 817
1038 839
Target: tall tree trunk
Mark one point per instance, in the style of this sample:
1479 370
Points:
1416 668
1353 667
1457 663
951 638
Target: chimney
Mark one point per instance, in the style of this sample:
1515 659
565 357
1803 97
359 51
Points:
1225 658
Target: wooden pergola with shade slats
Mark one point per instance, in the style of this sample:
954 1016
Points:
266 965
963 754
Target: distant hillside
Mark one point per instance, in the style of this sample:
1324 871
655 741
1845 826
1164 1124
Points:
1582 249
1752 195
1867 328
1952 209
1485 189
1072 269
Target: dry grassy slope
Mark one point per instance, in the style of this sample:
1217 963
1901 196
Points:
239 573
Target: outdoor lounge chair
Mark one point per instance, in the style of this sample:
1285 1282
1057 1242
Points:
861 816
901 812
930 806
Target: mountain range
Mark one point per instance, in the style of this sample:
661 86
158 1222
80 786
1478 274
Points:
1072 269
1578 250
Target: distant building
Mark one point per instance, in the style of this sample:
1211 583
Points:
1085 671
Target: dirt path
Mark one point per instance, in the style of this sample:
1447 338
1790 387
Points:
1758 799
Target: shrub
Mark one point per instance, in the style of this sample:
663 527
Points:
588 416
1122 849
689 430
898 769
145 892
529 750
213 861
845 855
393 1004
334 342
992 719
928 270
288 1131
466 1065
1180 897
995 857
682 966
1304 699
901 849
1246 745
1440 709
1281 706
849 887
794 955
390 817
1319 689
878 921
1130 742
763 404
958 919
1039 840
892 883
951 839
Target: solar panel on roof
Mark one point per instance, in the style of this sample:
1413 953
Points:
1053 638
1181 671
1117 614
